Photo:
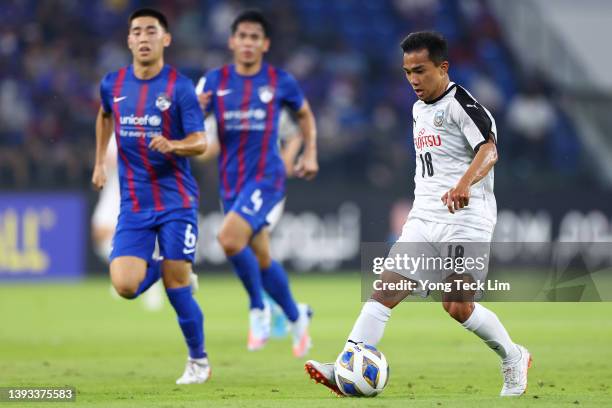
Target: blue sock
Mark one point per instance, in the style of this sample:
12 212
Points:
190 318
275 282
247 268
151 276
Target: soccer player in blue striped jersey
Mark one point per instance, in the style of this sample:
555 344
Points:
158 124
246 98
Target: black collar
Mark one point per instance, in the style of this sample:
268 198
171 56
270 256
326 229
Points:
450 88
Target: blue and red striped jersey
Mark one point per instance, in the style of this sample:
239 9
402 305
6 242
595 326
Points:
164 105
247 111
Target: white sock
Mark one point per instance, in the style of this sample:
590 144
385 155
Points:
370 325
200 361
485 324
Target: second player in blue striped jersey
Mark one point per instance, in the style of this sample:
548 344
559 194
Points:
247 109
246 98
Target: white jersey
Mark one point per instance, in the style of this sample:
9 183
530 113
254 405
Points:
448 132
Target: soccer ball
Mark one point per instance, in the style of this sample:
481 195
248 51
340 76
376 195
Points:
361 371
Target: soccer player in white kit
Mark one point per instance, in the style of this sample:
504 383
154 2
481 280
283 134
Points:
455 142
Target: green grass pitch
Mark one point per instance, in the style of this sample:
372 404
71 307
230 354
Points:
117 354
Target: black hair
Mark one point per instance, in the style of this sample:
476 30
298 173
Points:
433 42
149 12
252 16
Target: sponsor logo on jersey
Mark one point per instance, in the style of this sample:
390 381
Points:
438 118
223 92
423 140
146 120
257 114
266 93
162 102
118 99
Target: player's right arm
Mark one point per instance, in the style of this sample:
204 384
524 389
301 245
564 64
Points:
104 129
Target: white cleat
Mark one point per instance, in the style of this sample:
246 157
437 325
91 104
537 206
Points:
259 328
299 330
323 373
193 281
515 375
197 371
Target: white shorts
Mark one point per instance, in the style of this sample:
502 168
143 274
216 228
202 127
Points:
443 249
107 210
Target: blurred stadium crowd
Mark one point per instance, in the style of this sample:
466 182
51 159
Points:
345 54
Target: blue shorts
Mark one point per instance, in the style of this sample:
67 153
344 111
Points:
176 232
256 203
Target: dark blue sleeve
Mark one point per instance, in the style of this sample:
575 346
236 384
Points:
189 108
291 93
105 94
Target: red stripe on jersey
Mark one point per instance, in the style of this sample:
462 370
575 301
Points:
144 154
221 130
167 121
117 86
244 135
269 125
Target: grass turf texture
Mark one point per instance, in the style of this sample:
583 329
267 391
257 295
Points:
117 354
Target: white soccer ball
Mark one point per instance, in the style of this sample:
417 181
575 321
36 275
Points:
361 371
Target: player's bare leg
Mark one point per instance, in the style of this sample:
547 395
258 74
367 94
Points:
276 284
516 359
235 234
127 273
369 327
234 237
176 278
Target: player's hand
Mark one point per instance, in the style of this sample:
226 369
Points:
457 197
99 177
204 99
307 167
162 145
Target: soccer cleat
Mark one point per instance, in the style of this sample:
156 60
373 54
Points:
197 371
515 375
193 281
299 330
278 320
323 373
259 328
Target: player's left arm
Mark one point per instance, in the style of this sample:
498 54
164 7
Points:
478 127
459 196
308 165
194 143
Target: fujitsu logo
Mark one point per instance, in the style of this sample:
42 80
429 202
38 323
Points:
146 120
423 140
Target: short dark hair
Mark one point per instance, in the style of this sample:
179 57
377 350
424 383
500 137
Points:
433 42
252 16
149 12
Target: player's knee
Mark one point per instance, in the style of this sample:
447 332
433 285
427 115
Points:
125 285
387 298
126 290
230 243
459 311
